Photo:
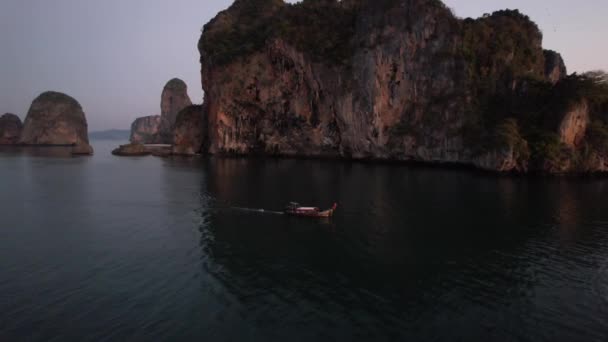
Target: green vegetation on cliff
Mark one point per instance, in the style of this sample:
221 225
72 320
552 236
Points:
325 30
321 28
537 107
503 38
405 74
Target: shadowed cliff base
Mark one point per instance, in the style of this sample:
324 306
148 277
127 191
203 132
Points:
189 131
397 80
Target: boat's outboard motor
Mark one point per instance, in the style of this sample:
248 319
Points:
292 206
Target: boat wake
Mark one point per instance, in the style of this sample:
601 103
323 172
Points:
261 211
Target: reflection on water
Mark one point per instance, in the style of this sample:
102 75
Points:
411 252
38 151
112 248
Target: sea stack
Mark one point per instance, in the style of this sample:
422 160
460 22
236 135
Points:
10 129
56 119
174 98
189 131
145 130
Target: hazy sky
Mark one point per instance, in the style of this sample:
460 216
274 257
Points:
114 56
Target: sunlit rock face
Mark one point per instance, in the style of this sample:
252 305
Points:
390 80
10 129
145 130
174 98
56 119
573 124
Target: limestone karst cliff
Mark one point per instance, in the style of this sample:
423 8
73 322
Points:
56 119
145 130
189 131
398 80
10 129
555 68
158 129
174 98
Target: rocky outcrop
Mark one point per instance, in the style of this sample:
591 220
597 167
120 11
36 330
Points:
174 98
146 130
82 149
10 129
56 119
189 131
133 149
555 68
393 79
573 124
136 150
508 150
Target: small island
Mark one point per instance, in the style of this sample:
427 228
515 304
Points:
54 119
179 130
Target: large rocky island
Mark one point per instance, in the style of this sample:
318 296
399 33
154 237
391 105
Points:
56 119
397 80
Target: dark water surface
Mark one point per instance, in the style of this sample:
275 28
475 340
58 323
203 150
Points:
106 248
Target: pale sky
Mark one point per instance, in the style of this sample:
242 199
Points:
114 56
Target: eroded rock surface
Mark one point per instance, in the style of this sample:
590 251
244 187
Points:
56 119
174 98
145 130
573 125
189 131
10 129
555 68
393 79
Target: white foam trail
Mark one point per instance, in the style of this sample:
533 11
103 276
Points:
263 211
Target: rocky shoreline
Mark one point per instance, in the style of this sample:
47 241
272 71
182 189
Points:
181 127
139 150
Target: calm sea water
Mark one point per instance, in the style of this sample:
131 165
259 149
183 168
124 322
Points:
107 248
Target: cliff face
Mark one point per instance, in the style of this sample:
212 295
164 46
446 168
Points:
387 79
174 98
56 119
145 130
189 131
10 129
555 68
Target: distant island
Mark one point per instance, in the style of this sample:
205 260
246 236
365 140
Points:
402 80
178 130
111 134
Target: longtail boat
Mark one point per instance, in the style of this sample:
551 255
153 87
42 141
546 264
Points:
295 209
